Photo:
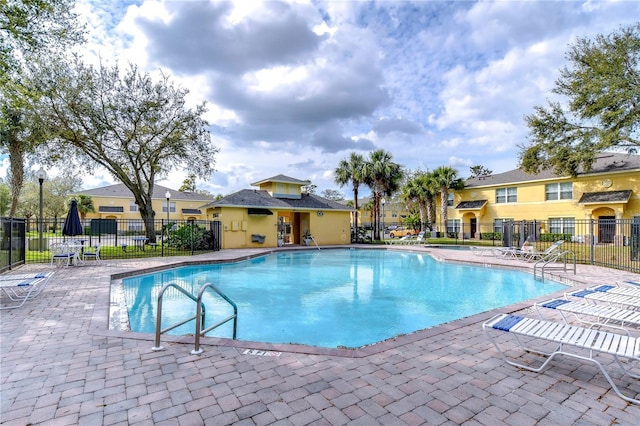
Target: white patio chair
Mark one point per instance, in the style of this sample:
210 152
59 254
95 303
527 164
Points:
93 254
61 254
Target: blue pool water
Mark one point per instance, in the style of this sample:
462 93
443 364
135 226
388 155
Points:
330 298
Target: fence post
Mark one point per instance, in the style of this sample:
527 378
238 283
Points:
591 242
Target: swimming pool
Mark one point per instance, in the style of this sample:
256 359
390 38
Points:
330 298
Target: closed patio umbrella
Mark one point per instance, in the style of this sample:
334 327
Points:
72 225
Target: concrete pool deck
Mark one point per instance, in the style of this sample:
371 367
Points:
60 364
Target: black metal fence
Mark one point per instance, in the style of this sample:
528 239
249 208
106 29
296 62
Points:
125 238
12 250
606 241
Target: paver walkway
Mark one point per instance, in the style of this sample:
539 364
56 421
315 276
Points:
61 365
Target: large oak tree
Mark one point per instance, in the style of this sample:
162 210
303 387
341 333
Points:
138 128
602 109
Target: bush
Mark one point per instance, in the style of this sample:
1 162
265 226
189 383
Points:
491 236
552 237
190 237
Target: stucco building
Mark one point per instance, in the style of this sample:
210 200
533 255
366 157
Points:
278 213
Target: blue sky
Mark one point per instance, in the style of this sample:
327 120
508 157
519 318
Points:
294 87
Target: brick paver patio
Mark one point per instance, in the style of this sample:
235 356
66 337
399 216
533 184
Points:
62 365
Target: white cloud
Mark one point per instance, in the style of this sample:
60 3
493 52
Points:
293 86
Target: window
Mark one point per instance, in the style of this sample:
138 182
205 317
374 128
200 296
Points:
559 191
453 225
135 225
562 225
172 207
394 213
133 207
450 200
497 224
506 195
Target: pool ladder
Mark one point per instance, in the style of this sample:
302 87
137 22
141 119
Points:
567 257
200 314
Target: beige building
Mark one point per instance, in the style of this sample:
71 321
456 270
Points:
117 202
278 213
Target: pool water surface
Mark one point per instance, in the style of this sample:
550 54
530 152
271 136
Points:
330 298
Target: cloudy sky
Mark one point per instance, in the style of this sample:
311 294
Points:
294 87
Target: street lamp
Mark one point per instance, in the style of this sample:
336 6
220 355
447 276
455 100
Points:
41 175
168 195
383 201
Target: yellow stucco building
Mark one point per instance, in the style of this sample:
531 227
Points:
279 213
117 202
610 192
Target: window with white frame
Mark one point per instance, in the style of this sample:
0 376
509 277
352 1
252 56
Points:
506 195
559 191
135 225
497 224
172 207
450 200
562 225
453 225
133 207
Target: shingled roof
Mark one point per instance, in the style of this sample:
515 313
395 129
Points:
121 191
605 197
605 163
255 198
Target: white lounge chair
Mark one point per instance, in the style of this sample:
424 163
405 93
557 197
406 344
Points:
533 256
22 289
15 277
603 315
571 341
606 297
489 251
626 290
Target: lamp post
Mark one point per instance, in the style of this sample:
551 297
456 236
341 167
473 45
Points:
41 175
383 201
168 195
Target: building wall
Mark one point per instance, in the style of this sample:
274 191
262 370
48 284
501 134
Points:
330 227
238 226
158 206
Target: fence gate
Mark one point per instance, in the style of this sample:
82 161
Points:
216 233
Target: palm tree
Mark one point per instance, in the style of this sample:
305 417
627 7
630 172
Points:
85 205
383 176
421 190
446 178
350 171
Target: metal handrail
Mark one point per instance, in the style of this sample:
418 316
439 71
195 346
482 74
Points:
199 332
159 331
545 261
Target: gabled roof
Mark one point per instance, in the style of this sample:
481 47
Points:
255 198
121 191
282 179
605 163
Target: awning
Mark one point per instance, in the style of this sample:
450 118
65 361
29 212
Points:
260 212
471 205
605 197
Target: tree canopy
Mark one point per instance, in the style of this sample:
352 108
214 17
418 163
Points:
602 110
137 128
29 30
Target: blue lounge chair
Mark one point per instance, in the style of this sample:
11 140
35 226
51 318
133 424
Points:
570 340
